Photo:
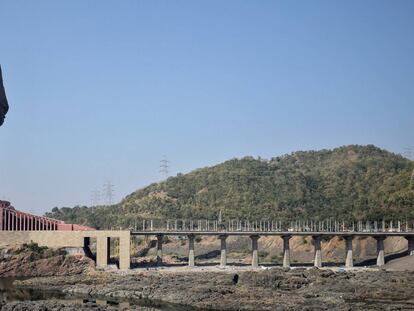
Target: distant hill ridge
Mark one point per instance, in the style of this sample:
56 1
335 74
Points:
349 182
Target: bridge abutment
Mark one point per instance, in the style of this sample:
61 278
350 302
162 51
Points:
286 251
349 261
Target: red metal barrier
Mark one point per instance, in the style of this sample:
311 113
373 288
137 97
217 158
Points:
13 220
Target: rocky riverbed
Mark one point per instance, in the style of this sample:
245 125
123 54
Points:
271 289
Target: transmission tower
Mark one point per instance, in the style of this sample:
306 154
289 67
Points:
164 168
108 192
96 197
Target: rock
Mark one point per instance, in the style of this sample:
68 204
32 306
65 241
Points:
29 261
4 106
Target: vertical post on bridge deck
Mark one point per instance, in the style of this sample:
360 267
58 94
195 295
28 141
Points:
380 251
318 257
255 255
286 251
349 261
191 261
159 249
223 250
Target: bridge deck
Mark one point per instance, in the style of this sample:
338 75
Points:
273 233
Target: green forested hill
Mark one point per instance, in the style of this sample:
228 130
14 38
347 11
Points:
351 182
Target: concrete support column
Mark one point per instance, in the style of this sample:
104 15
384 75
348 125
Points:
286 251
223 250
191 261
159 248
255 255
380 251
410 240
102 252
318 257
349 261
125 251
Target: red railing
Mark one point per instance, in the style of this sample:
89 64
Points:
13 220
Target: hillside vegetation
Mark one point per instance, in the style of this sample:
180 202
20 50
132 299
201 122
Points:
350 182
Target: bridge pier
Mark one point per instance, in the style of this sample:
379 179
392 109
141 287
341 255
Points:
223 250
410 240
380 251
159 248
255 255
191 261
349 261
318 257
102 251
286 251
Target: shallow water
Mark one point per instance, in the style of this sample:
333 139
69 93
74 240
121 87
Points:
9 293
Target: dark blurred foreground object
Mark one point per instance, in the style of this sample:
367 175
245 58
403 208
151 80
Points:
4 106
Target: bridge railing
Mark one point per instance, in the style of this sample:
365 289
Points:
236 225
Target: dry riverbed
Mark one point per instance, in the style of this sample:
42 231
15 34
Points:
239 289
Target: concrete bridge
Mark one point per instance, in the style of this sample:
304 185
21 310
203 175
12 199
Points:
18 227
82 240
286 236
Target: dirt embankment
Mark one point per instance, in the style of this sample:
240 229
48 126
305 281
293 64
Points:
273 289
30 260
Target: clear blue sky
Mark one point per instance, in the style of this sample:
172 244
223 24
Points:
104 89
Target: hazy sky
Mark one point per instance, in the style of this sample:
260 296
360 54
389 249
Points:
102 90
